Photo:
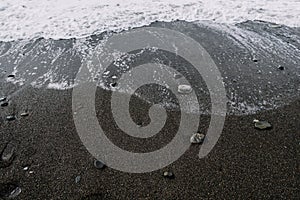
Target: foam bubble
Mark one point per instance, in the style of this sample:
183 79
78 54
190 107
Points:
27 19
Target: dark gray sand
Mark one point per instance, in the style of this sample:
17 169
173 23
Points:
245 163
50 162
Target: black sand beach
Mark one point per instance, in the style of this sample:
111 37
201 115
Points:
246 163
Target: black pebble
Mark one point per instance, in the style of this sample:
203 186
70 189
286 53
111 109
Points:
2 99
11 76
4 104
98 164
281 67
113 84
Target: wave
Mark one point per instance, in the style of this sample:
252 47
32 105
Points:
259 61
27 19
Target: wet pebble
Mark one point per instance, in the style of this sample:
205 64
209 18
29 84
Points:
184 89
2 99
9 191
10 118
113 85
24 114
25 168
197 138
275 26
8 153
281 68
169 174
177 76
77 179
11 76
15 193
255 120
262 125
4 104
99 164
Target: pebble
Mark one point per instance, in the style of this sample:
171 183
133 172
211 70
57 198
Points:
98 164
281 67
184 89
26 168
275 26
8 153
177 76
11 76
197 138
14 193
10 118
9 191
2 99
4 104
169 175
77 179
255 60
113 85
24 114
262 125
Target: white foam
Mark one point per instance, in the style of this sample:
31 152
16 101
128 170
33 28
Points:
26 19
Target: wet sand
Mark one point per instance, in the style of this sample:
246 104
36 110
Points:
246 163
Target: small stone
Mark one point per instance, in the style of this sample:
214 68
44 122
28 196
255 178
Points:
281 68
113 85
4 104
30 172
275 25
262 125
77 179
169 175
177 76
2 99
9 190
10 118
184 89
11 76
14 193
24 114
26 168
255 120
98 164
197 138
8 153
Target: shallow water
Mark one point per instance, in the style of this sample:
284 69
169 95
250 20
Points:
24 19
248 55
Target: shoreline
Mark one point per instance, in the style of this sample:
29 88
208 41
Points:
245 163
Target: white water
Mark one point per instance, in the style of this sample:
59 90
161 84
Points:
27 19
